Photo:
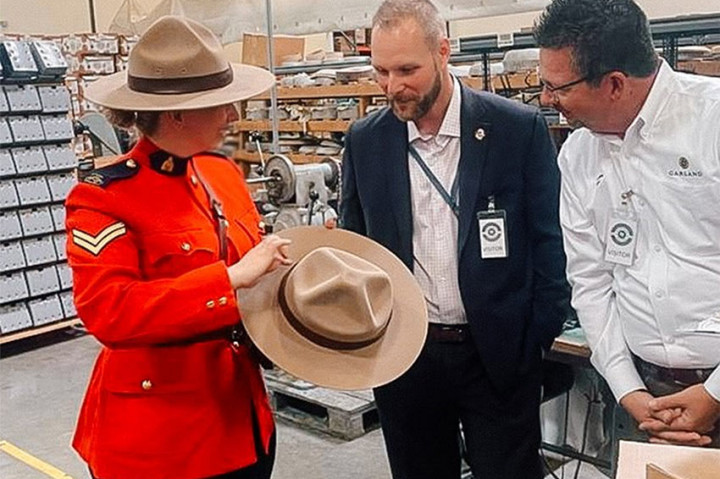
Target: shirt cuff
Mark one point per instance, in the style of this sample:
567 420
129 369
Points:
623 378
712 384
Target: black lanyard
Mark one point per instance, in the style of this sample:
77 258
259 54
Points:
450 198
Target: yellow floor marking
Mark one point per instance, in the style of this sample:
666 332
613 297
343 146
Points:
32 461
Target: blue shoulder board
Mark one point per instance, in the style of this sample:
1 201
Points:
104 176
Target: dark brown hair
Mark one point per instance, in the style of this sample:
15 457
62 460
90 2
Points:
145 121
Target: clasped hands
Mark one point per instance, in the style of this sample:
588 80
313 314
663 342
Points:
684 418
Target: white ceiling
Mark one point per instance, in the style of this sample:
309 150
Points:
230 18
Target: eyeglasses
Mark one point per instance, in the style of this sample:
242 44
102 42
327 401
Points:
555 91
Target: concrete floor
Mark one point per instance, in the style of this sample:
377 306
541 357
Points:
40 394
42 382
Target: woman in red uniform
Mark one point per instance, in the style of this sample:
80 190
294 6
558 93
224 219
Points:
158 242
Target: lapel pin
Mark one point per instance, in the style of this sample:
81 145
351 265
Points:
479 134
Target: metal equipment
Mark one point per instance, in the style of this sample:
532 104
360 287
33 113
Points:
296 195
103 135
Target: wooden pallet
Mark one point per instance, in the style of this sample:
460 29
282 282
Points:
37 331
344 414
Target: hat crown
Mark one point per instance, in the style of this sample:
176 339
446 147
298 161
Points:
339 296
176 48
178 64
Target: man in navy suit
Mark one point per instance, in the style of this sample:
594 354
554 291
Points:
463 187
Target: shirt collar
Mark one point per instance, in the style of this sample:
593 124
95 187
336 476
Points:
650 110
451 123
655 100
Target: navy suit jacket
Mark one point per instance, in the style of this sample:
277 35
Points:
514 305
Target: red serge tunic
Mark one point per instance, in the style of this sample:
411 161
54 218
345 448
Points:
169 396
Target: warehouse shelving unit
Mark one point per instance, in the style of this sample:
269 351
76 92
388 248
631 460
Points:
362 92
36 173
668 33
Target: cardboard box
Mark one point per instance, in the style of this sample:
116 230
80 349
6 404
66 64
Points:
343 41
254 48
701 67
654 472
638 460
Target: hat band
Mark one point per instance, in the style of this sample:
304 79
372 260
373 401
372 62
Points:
175 86
314 337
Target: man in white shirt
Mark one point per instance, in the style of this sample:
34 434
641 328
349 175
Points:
462 186
639 211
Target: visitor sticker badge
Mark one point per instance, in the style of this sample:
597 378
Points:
621 239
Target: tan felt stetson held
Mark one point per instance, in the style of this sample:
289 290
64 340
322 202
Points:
346 315
178 64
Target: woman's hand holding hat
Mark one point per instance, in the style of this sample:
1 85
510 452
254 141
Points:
262 259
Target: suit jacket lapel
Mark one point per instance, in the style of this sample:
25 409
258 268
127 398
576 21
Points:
473 155
398 184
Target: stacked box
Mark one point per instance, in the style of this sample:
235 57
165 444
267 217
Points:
90 56
37 165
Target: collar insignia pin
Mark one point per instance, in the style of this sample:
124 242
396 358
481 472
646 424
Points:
168 165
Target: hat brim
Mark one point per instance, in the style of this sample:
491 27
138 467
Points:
112 92
363 368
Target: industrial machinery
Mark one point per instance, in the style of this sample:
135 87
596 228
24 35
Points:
295 195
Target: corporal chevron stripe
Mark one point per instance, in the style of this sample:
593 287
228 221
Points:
95 244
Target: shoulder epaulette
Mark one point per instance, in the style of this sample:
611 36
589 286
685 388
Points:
104 176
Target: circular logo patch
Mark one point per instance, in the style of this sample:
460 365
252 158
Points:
621 234
491 231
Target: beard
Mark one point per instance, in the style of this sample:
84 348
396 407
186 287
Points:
413 107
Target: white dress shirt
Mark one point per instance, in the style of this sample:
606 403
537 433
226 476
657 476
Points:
435 227
664 305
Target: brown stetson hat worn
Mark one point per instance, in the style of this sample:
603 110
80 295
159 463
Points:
178 64
346 315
